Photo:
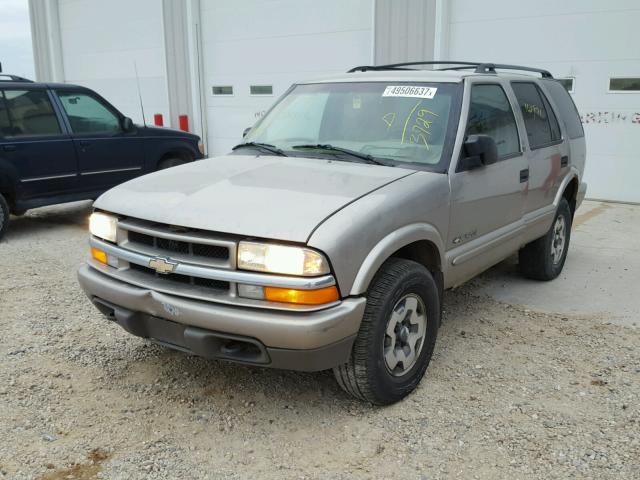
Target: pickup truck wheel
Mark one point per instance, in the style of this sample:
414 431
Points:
4 216
397 336
543 259
170 162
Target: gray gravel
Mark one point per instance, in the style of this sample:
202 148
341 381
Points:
511 393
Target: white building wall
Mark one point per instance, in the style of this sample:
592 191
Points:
590 40
274 42
102 40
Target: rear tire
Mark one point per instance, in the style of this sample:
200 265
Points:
543 259
170 162
4 216
397 336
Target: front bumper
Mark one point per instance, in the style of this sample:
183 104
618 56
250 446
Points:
293 340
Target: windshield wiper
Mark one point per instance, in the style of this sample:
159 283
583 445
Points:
267 147
326 146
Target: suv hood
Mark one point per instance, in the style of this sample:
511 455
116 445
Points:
270 197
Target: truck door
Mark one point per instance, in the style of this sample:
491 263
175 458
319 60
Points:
487 202
548 156
33 145
107 155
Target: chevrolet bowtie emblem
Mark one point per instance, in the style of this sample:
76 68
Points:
162 265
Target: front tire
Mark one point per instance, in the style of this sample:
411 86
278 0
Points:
397 336
4 216
543 259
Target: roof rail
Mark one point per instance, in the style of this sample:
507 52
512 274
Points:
478 66
4 77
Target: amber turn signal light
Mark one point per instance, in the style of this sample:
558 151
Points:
302 297
99 255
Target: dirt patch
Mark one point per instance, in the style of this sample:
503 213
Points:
594 212
79 471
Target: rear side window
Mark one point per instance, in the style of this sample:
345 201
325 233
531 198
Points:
539 119
88 115
5 125
567 109
27 113
490 114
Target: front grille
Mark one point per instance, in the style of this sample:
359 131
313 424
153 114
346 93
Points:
171 246
217 285
182 245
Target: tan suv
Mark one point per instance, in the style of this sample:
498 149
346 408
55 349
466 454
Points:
326 238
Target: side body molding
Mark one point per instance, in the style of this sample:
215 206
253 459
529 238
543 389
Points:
390 244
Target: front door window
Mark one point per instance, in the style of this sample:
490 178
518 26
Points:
87 115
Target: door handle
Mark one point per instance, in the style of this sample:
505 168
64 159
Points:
9 148
524 175
85 143
564 161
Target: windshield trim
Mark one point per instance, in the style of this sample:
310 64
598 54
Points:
452 128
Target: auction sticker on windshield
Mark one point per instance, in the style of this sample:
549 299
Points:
409 91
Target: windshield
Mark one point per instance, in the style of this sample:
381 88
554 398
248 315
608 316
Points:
392 122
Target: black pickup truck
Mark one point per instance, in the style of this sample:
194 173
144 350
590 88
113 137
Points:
62 143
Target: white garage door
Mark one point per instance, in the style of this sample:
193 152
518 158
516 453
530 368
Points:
254 50
589 41
103 48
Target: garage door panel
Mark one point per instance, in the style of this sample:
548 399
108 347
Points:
230 122
75 13
473 10
263 19
529 38
612 177
149 62
320 52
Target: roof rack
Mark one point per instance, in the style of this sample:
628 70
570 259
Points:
478 67
4 77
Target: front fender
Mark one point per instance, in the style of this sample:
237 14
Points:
361 236
390 244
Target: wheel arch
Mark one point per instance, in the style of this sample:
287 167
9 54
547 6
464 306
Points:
570 192
419 242
179 152
568 189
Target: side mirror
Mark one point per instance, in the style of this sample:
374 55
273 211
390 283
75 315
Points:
246 130
478 151
127 124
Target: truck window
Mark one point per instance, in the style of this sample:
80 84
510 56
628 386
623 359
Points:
567 109
27 113
539 120
490 114
88 115
5 125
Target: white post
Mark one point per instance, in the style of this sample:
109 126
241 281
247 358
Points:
46 39
441 31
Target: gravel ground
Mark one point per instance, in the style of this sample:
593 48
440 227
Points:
510 393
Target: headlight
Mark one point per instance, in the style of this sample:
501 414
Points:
103 226
201 147
271 258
